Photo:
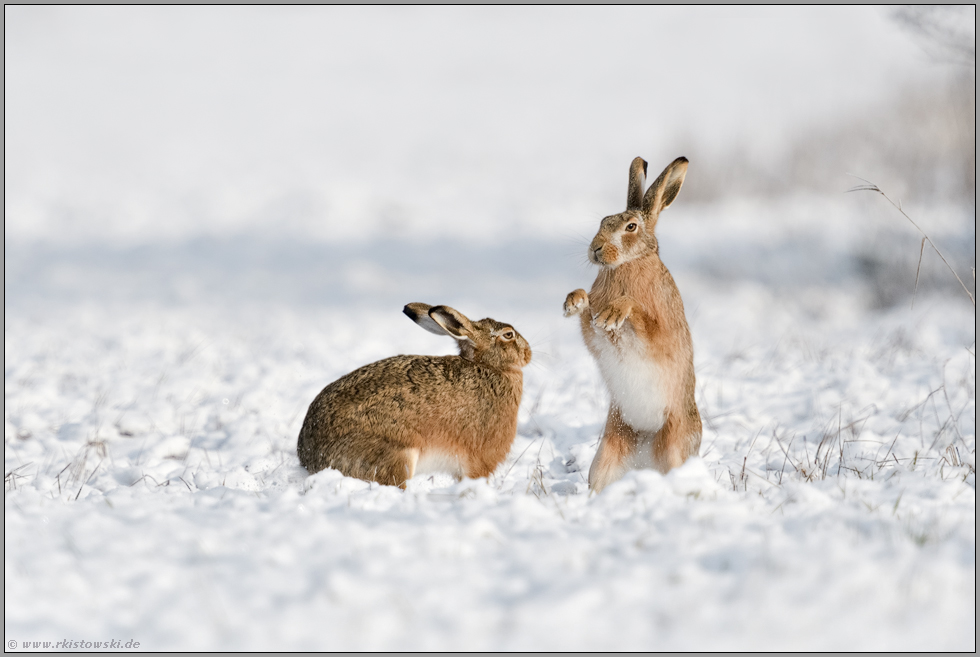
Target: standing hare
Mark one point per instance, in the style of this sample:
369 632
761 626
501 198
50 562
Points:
633 324
406 415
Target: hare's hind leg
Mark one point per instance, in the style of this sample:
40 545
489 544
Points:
393 469
619 442
678 439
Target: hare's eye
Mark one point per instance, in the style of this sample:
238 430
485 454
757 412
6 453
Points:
507 335
630 227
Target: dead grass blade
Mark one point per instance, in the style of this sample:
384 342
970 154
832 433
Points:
871 187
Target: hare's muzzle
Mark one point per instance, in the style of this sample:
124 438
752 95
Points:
604 254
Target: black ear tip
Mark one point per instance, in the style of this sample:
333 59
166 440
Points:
682 160
415 310
644 167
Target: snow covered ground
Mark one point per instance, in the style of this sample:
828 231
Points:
182 277
153 490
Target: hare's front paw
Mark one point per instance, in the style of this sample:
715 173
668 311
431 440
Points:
576 302
615 314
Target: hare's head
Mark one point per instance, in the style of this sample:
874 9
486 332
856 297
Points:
629 235
486 341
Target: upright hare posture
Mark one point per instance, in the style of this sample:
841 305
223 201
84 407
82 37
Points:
406 415
633 324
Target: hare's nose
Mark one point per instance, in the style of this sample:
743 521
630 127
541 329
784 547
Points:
596 251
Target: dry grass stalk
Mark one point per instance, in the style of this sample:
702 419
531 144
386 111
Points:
871 187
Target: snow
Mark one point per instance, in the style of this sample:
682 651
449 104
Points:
175 297
153 489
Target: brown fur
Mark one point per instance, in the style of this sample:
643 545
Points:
377 422
634 301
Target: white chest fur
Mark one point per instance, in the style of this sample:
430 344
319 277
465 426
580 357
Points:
635 381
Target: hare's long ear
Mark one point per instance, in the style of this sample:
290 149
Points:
664 189
638 177
453 322
419 313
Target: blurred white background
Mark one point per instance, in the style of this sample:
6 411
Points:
180 129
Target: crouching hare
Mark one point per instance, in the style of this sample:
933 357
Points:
633 324
407 415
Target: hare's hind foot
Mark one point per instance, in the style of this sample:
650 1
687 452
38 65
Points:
576 302
390 470
676 441
617 446
623 448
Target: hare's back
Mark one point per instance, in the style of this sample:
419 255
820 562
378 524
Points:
405 391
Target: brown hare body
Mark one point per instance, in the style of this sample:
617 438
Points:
407 415
633 324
